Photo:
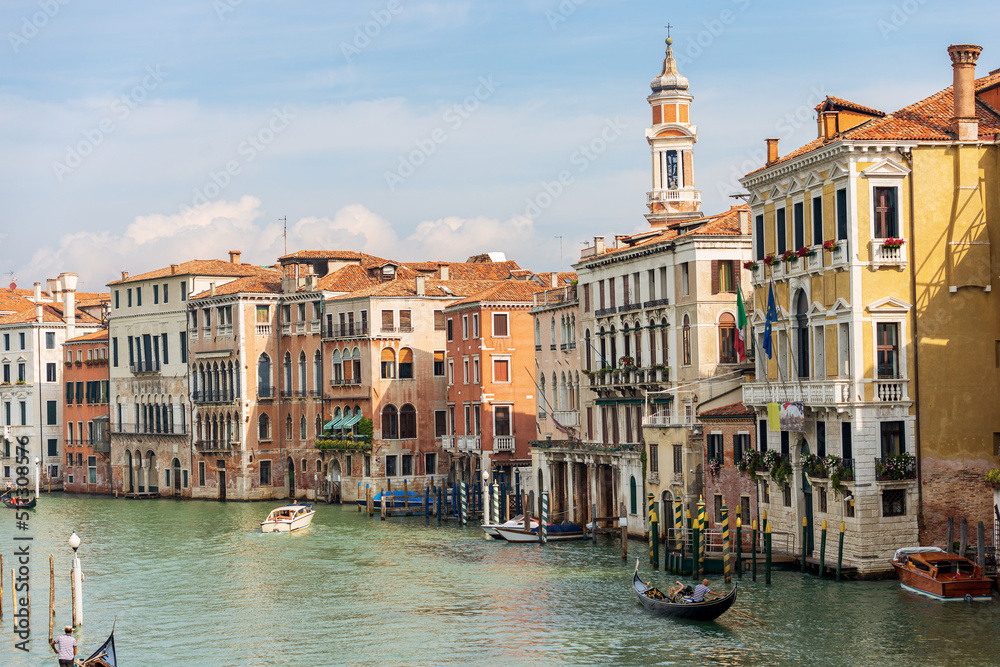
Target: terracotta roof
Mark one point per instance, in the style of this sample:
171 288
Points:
731 410
11 301
101 334
51 313
265 284
407 287
469 270
926 120
563 278
200 267
837 103
508 291
346 279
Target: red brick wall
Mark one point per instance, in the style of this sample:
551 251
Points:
956 489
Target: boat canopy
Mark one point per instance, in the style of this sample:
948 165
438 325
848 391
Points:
909 551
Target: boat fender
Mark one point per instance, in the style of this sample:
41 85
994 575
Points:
968 597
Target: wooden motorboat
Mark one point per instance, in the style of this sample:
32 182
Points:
288 519
933 572
553 533
654 600
515 523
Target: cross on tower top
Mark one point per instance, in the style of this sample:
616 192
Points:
669 40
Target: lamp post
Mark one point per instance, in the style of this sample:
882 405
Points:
76 580
38 474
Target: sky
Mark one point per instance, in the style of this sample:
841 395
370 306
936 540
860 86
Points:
138 134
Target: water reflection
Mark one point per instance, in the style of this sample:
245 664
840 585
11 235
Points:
199 580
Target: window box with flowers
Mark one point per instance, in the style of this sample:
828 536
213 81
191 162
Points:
896 467
993 477
888 252
714 466
626 362
789 256
750 463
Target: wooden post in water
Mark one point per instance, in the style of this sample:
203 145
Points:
822 548
950 535
593 520
650 518
359 497
526 513
622 525
726 571
964 537
767 554
981 546
439 489
427 503
840 550
702 523
739 546
753 548
654 540
805 542
382 496
406 495
370 499
679 522
52 594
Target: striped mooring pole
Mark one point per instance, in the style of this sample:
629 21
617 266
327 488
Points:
739 546
840 550
650 518
805 542
495 518
695 548
679 522
465 504
725 545
767 554
544 520
701 526
753 548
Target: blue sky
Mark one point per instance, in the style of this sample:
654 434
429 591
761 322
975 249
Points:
139 134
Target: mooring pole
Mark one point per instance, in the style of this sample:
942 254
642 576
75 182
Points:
805 542
359 497
382 496
439 489
753 548
544 519
822 548
964 536
726 569
739 546
593 520
840 550
702 524
696 548
465 504
650 518
950 535
981 546
52 594
427 503
654 540
622 525
767 554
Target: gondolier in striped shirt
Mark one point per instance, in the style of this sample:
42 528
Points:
701 590
65 646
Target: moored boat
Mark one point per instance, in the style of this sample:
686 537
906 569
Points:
515 523
288 519
397 498
553 533
18 502
934 573
654 600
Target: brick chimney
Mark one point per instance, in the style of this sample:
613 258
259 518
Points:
599 245
234 256
963 119
772 150
124 275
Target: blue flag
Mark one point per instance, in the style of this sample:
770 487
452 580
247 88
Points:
772 316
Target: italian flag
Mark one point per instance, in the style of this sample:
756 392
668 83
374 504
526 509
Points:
741 324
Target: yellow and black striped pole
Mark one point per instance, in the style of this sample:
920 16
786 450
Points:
805 542
767 554
678 522
725 544
753 548
739 546
822 549
649 522
701 526
840 550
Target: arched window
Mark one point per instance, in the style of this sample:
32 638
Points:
357 419
664 342
264 427
555 392
727 339
563 393
572 331
390 422
632 496
552 333
686 340
356 364
288 427
637 333
538 334
587 344
577 390
613 359
319 426
303 380
802 332
604 351
302 427
627 339
287 389
264 375
406 364
318 372
542 406
407 422
388 363
652 343
337 370
336 417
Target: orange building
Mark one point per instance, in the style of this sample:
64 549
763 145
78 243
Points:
86 414
491 378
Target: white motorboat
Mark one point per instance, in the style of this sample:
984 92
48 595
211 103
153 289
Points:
553 533
517 522
288 519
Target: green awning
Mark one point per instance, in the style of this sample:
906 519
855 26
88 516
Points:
350 421
333 423
620 401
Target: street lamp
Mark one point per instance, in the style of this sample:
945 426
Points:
38 473
77 581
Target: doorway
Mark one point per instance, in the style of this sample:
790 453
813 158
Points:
290 478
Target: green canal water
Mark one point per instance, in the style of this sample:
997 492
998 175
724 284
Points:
196 583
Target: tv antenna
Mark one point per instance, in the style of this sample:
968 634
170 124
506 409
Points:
284 232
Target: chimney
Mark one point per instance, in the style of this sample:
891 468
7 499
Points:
67 285
38 300
772 150
173 269
211 289
554 279
744 216
421 285
234 256
443 271
830 121
963 119
598 245
52 287
125 274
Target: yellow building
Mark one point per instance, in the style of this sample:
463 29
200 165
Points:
887 324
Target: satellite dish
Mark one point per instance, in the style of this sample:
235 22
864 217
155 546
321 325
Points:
13 286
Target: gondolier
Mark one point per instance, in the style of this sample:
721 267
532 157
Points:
654 600
65 647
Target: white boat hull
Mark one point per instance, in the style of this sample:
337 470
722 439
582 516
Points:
514 524
275 524
523 536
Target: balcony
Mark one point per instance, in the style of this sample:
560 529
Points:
193 334
265 393
145 367
630 377
215 396
129 428
315 326
893 255
656 303
263 330
215 446
605 311
653 477
895 467
891 390
662 196
566 417
207 332
447 443
225 330
300 328
555 297
286 329
821 393
340 382
503 443
348 330
469 443
668 420
839 258
629 307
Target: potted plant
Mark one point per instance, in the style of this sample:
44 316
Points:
781 468
993 477
749 463
714 465
894 466
627 362
771 260
789 256
805 251
750 265
893 243
814 465
831 244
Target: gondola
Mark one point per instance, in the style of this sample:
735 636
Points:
105 656
654 600
17 502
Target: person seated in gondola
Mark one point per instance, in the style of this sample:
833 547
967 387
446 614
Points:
701 590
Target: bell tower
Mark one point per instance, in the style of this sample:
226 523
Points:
671 138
